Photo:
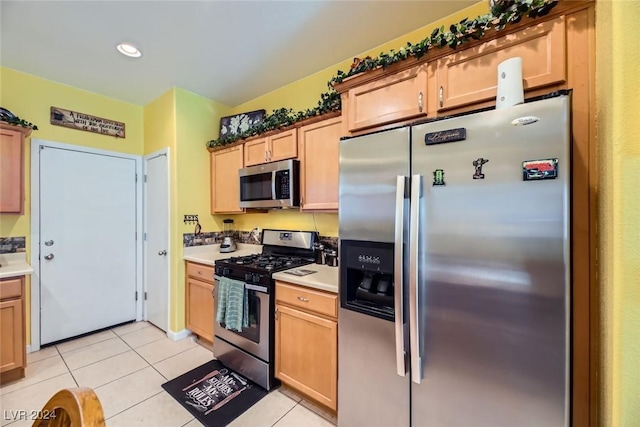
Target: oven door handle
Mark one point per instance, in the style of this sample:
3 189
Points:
256 288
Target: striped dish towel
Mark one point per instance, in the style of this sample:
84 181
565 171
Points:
233 304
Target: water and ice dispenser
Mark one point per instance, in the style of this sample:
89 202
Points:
367 278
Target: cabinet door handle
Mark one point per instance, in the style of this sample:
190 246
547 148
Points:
269 154
441 96
420 102
303 299
275 314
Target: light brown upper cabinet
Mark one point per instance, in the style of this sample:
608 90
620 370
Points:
470 76
319 154
12 168
390 99
225 181
279 146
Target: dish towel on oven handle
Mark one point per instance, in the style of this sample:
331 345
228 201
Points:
233 304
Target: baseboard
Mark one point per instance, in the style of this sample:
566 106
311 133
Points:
177 336
31 348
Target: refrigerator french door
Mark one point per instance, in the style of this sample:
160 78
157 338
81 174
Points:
455 273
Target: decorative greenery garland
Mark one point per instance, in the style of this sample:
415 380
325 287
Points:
502 13
17 121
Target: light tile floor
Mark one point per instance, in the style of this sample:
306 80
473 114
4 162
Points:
126 367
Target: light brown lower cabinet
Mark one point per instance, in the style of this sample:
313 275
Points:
13 357
199 300
307 342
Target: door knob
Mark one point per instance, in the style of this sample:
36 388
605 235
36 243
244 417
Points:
48 257
162 252
48 243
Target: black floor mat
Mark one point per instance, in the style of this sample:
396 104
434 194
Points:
214 394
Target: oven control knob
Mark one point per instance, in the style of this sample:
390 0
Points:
256 278
218 270
248 277
226 271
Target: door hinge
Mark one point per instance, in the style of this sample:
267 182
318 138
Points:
145 177
136 177
145 237
145 296
136 295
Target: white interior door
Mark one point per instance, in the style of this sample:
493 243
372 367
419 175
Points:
87 242
157 240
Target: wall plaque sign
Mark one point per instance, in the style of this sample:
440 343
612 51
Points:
81 121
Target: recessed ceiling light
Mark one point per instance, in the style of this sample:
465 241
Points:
129 50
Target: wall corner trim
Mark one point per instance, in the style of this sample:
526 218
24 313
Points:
177 336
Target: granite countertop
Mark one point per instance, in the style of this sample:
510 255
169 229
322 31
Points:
325 279
14 264
208 254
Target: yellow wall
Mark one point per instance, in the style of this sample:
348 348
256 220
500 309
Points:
618 86
197 118
181 120
31 98
305 93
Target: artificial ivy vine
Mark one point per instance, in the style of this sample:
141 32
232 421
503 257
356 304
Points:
502 13
17 121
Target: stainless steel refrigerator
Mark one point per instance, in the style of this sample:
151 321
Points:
455 271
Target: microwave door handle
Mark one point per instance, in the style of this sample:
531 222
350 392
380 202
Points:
273 185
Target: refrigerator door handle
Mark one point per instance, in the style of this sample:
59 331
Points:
414 315
398 276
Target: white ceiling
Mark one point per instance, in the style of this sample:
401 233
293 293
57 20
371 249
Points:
228 51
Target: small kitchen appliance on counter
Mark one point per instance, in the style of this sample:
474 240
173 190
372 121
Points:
228 243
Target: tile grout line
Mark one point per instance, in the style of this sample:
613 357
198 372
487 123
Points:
285 414
133 406
119 378
194 418
130 332
97 361
166 358
85 346
22 388
67 366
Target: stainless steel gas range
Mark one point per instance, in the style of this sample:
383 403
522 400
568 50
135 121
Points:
251 351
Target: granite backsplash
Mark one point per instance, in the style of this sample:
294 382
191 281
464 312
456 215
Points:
213 237
10 245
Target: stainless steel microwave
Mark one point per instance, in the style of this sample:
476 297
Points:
270 185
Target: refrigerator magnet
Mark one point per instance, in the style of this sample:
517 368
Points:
438 177
478 163
535 170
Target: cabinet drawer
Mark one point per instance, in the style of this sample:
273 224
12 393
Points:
200 272
307 299
541 47
11 288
